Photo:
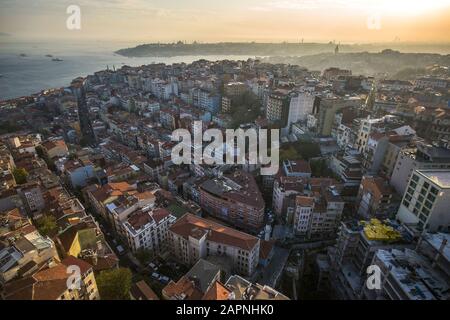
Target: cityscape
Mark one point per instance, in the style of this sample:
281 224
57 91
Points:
94 205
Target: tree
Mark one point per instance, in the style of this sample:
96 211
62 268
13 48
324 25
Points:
244 109
47 225
20 175
114 284
143 255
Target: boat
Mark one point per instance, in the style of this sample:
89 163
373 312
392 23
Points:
23 55
57 59
49 55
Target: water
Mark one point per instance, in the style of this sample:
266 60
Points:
21 76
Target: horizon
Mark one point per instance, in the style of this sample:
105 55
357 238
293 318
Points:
353 21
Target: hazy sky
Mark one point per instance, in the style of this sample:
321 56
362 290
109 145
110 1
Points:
230 20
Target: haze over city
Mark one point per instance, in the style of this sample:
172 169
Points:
233 20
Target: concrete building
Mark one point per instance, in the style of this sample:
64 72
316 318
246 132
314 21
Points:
356 245
422 156
407 275
242 289
318 215
234 198
297 168
148 229
277 108
325 109
426 201
235 88
226 104
300 105
283 189
375 198
32 196
192 238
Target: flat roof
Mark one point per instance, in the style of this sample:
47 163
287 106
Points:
439 177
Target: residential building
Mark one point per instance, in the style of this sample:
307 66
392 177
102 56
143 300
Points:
193 238
235 199
422 156
426 201
196 284
242 289
376 198
148 229
325 109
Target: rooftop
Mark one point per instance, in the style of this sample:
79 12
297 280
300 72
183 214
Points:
378 231
439 177
193 226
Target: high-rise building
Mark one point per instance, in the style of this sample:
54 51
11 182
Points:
426 201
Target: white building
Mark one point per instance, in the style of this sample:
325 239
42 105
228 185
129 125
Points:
426 201
300 106
148 229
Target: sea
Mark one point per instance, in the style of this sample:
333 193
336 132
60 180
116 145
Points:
26 69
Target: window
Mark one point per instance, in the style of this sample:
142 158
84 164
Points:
434 191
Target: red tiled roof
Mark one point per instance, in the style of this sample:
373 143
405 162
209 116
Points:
191 225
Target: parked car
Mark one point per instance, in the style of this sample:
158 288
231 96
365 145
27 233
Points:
164 279
155 275
120 250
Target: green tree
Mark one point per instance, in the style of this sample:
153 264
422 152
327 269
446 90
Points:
244 109
20 175
47 225
114 284
143 255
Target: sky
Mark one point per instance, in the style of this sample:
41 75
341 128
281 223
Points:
347 21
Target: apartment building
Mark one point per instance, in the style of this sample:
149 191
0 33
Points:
325 109
283 188
357 243
148 229
318 215
407 275
422 156
375 198
226 104
88 286
192 238
32 196
277 108
234 198
235 88
426 201
348 166
242 289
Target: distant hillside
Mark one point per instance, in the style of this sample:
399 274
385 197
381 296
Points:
268 49
388 61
